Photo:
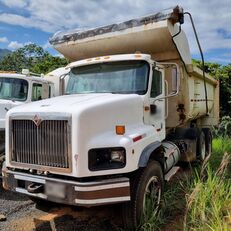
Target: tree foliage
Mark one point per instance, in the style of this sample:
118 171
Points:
223 74
32 57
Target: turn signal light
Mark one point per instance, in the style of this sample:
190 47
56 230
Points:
120 129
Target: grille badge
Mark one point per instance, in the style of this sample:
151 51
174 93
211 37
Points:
37 121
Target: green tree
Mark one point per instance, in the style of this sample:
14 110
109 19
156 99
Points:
32 57
49 63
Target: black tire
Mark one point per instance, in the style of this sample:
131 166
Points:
208 141
42 204
38 201
147 181
201 147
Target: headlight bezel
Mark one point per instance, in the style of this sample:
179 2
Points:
100 158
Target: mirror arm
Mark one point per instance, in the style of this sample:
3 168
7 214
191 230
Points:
173 93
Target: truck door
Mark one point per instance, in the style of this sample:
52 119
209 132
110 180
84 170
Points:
157 102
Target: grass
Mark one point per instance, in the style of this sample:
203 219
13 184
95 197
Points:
208 203
220 146
200 201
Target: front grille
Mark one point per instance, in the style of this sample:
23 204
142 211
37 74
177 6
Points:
46 144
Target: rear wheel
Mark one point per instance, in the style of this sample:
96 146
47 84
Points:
201 147
208 141
146 192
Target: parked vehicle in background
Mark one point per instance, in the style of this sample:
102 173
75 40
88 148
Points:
135 107
17 89
60 78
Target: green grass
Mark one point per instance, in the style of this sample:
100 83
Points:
208 203
220 146
208 195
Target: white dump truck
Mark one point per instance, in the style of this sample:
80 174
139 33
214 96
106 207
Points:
17 89
135 106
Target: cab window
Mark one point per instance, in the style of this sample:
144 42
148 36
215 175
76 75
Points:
36 91
156 88
13 89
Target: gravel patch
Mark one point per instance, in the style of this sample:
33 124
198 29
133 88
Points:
24 215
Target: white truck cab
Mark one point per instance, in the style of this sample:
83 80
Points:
17 89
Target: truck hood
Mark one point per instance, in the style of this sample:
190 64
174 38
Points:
76 103
92 120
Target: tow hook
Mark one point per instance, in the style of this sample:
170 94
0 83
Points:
35 188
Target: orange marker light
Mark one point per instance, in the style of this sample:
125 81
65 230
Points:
146 108
120 129
138 56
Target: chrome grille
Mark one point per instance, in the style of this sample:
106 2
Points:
45 144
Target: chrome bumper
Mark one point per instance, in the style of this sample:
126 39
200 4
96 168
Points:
86 194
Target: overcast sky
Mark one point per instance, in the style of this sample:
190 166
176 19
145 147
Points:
35 21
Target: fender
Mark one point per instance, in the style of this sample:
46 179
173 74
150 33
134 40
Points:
145 155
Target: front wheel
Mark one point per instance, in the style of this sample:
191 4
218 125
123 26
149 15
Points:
146 193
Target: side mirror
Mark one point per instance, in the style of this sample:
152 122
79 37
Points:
62 80
175 81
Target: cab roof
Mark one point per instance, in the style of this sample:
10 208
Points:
21 76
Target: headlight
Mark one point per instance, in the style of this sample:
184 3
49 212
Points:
106 158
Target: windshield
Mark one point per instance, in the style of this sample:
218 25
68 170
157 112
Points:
124 77
13 89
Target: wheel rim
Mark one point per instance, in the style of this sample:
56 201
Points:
152 195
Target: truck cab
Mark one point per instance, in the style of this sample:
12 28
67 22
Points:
18 89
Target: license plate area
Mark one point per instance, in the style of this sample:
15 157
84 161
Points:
57 190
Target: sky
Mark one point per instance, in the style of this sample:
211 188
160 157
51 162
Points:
35 21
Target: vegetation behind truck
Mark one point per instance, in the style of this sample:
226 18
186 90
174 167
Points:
125 122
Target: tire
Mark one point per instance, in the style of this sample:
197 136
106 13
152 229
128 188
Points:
146 193
208 141
201 147
38 201
42 204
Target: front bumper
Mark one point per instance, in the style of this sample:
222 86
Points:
86 194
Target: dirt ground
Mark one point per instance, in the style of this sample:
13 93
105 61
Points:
24 215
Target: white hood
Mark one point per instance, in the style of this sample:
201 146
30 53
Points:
92 119
75 103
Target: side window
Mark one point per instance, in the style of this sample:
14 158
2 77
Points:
156 88
36 91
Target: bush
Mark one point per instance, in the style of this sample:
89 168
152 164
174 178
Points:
224 128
